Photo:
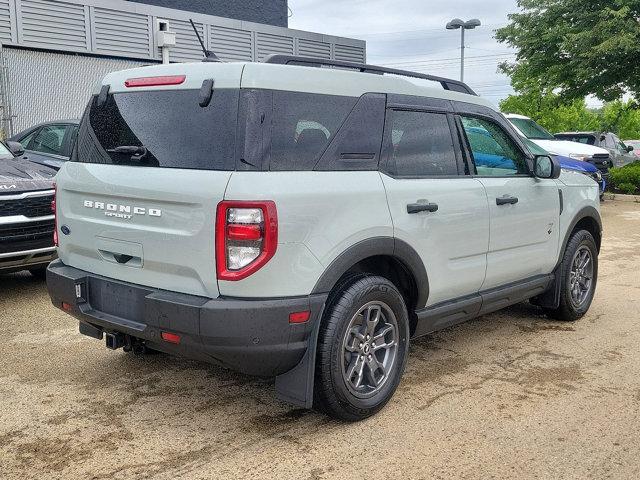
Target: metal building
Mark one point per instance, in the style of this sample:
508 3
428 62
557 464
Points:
54 52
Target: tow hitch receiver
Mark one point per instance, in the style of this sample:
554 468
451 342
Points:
115 340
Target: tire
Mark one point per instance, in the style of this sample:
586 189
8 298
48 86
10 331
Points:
40 273
572 308
355 376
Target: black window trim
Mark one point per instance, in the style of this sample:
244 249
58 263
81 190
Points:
387 165
469 156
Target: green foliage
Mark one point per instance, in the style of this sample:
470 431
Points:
626 179
558 115
581 47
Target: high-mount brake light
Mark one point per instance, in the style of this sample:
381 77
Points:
55 215
246 237
155 81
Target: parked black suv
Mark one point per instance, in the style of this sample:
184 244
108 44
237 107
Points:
26 216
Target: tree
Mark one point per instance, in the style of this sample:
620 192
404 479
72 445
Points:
581 47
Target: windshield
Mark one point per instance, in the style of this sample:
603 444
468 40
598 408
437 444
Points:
160 129
580 138
534 148
531 129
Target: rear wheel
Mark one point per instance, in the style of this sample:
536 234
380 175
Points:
578 277
362 349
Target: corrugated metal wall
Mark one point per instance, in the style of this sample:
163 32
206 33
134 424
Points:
125 29
60 89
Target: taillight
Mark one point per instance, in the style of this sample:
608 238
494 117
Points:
246 237
55 215
155 81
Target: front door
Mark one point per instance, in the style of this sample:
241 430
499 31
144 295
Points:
524 210
436 208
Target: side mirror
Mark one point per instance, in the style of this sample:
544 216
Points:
630 148
16 148
546 167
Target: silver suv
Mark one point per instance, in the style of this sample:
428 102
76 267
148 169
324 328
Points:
285 220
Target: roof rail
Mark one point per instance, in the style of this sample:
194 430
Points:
447 83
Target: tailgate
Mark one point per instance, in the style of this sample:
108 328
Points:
149 226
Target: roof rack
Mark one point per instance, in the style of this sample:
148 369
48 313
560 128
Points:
447 83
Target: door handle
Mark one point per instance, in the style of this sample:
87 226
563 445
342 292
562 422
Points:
506 200
422 207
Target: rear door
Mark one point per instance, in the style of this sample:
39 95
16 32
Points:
436 207
524 210
139 196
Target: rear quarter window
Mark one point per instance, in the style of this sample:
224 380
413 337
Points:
304 125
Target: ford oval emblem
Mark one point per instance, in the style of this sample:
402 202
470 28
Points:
66 230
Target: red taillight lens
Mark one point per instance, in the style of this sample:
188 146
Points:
170 337
155 81
246 237
55 215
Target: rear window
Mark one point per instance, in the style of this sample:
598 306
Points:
587 139
160 129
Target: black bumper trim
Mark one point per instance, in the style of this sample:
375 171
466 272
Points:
250 336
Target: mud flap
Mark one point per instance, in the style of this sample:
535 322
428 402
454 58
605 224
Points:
296 385
550 298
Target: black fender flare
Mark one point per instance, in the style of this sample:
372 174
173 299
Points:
585 212
372 247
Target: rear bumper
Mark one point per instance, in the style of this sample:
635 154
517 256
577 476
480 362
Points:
249 336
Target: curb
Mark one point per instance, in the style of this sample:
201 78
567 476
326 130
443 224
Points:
622 198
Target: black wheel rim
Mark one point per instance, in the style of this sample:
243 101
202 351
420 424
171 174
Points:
581 276
369 349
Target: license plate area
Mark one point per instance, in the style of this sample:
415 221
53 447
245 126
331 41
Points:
118 299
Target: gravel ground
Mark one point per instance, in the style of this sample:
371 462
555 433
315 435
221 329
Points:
509 395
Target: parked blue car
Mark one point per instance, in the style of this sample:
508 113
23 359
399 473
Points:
569 163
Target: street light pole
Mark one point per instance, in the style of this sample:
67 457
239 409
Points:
455 24
462 30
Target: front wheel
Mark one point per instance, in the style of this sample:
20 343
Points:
578 277
362 349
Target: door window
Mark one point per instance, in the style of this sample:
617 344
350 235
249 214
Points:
422 144
494 153
49 140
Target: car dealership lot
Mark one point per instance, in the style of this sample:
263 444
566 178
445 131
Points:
508 395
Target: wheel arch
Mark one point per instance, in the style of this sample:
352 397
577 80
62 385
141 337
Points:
588 218
386 256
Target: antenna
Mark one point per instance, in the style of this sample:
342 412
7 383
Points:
209 56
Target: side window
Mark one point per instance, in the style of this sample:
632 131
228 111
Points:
422 144
494 152
49 140
303 126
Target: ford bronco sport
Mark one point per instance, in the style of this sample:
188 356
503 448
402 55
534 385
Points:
305 223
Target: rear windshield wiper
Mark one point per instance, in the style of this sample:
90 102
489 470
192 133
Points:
136 152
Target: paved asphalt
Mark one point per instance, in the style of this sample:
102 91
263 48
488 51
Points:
510 395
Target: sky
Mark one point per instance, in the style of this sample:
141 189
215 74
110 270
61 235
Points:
411 35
